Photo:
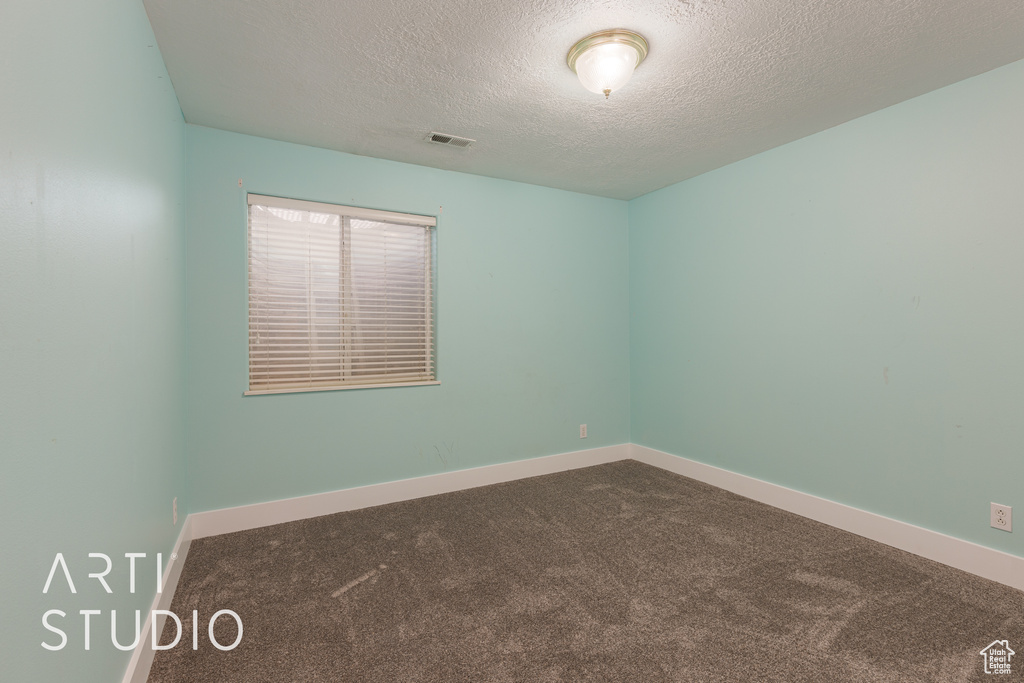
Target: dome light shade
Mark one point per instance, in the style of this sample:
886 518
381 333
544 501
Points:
604 61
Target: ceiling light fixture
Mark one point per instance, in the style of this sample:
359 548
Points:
605 60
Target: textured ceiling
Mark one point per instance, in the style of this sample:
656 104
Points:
725 79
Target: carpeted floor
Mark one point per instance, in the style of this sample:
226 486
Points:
620 572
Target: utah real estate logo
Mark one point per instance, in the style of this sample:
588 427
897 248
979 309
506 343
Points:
997 656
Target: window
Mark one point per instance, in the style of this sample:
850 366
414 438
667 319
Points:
339 297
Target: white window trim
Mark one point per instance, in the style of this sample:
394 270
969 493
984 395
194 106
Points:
350 387
348 212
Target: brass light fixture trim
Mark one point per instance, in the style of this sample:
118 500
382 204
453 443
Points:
612 35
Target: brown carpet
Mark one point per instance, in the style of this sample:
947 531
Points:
619 572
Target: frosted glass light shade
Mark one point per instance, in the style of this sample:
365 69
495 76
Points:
604 61
606 68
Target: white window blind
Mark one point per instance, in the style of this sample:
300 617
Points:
338 297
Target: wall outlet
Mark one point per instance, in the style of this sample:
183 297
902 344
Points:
174 510
1002 517
583 431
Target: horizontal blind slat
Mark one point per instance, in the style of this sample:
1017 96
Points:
338 296
330 381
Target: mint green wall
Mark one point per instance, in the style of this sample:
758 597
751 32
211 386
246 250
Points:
841 315
844 315
532 328
91 323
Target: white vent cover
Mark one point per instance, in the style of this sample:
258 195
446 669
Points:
449 140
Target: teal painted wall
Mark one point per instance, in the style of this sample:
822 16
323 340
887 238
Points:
840 315
532 329
843 315
92 195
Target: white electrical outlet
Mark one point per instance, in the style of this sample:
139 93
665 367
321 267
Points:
1002 517
583 431
174 510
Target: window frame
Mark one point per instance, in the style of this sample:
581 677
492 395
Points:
346 212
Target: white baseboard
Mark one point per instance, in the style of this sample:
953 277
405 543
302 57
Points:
244 517
142 656
969 557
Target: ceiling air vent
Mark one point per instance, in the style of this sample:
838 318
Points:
449 140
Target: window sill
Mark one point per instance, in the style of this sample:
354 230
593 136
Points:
306 390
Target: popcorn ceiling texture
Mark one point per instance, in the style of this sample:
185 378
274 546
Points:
724 79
